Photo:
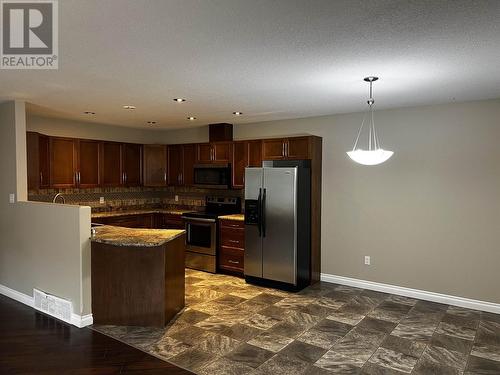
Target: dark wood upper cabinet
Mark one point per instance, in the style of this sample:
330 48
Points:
286 148
189 159
222 152
217 152
155 165
175 165
38 160
63 162
44 160
273 149
254 153
204 153
132 164
88 174
298 148
245 154
239 163
111 164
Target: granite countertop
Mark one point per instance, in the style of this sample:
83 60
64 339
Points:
137 212
121 236
235 217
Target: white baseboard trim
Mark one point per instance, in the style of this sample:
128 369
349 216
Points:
413 293
79 321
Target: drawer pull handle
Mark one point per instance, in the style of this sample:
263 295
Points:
233 262
234 241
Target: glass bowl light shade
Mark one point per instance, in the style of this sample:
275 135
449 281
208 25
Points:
370 157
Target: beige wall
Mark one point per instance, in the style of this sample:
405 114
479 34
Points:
430 216
42 245
90 130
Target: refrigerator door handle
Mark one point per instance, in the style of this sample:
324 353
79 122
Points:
263 213
259 212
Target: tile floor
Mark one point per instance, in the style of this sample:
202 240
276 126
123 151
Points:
230 327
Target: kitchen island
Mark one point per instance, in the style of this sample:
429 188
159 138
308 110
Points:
137 275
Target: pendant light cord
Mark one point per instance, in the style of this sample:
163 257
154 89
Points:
373 141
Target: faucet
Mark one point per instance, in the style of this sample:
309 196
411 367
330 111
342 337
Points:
58 195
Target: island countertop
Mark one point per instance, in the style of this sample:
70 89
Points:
138 237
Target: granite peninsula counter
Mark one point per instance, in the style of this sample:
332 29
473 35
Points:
137 275
121 236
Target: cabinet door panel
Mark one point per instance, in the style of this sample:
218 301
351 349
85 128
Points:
155 165
222 152
298 148
174 165
62 162
254 154
204 154
273 149
132 164
189 157
44 160
88 163
111 164
239 163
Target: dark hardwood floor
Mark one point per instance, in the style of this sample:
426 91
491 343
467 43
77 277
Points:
34 343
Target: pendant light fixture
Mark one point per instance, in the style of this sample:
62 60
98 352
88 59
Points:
375 154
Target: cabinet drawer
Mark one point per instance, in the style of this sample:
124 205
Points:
232 224
231 259
173 221
232 237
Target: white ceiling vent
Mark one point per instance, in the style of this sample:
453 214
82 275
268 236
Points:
57 307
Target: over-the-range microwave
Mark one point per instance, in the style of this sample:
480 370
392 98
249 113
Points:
215 176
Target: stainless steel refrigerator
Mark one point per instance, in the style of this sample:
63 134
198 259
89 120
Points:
277 224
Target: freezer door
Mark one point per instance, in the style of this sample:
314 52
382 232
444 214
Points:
253 239
279 254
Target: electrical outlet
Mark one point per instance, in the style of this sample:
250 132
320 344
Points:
12 198
177 198
368 260
101 200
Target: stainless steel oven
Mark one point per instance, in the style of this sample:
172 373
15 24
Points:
201 243
216 176
201 232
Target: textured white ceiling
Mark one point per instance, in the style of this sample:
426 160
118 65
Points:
270 59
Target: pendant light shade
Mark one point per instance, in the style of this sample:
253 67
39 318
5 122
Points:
374 154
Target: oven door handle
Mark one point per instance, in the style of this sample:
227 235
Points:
190 219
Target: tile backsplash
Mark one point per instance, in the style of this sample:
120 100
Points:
125 198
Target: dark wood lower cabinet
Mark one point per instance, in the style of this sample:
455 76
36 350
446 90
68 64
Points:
129 221
231 246
137 286
151 221
172 221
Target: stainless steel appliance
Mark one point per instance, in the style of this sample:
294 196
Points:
201 232
217 176
277 224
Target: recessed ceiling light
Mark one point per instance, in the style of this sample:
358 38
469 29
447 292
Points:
179 100
237 113
89 113
191 118
151 122
129 107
